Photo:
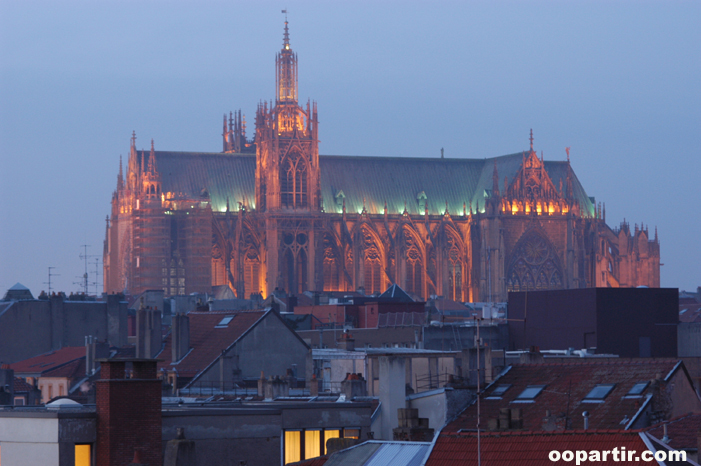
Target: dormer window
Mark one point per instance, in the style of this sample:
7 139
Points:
339 197
422 200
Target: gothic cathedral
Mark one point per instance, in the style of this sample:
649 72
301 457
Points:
271 213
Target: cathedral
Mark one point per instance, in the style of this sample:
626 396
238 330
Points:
269 213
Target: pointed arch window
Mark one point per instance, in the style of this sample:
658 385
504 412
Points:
293 183
454 270
251 272
414 266
331 265
372 265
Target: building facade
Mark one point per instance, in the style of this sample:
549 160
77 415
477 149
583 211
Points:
271 213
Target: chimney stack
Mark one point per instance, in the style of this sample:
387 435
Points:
180 343
128 413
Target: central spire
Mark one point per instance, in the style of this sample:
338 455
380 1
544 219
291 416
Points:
286 70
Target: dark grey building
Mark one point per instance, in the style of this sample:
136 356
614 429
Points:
35 326
629 322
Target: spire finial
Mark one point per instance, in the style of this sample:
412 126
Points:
286 36
567 149
152 149
531 138
133 139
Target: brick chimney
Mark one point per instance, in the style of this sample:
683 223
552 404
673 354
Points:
346 342
128 413
532 356
180 332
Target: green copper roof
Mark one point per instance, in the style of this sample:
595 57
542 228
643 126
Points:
372 180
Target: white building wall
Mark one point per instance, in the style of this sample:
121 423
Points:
25 441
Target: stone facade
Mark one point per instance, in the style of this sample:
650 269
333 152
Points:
271 213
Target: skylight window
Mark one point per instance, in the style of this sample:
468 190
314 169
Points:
530 393
500 389
599 392
638 389
224 322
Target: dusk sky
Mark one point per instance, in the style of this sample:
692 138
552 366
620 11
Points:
618 82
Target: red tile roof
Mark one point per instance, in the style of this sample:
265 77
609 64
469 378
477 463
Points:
22 386
206 341
682 431
530 448
566 386
318 461
72 370
690 313
47 361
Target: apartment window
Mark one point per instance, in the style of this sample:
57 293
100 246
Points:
19 401
310 443
598 393
529 394
83 454
293 446
329 434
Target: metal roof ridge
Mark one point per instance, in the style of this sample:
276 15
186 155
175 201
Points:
640 411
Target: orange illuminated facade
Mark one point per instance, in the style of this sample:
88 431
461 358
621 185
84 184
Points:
271 213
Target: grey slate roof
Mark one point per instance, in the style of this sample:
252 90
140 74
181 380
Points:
375 180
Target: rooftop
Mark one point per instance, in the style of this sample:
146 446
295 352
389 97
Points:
611 391
210 334
529 448
682 431
43 363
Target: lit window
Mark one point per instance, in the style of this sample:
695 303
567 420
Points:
312 443
82 455
351 433
329 434
224 322
599 392
530 393
500 390
638 389
293 444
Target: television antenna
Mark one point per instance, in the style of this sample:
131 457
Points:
51 275
85 256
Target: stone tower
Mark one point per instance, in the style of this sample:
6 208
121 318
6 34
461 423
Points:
287 178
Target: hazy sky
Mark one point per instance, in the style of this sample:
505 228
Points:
618 82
